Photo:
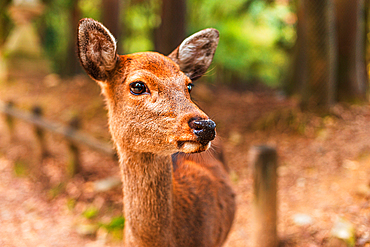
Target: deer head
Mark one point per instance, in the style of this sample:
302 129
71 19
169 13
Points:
148 94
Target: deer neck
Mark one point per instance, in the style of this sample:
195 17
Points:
147 200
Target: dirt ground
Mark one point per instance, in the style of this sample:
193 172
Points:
323 173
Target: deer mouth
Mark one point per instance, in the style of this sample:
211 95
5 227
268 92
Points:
192 146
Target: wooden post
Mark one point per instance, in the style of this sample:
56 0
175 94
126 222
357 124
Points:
264 164
10 120
40 133
74 165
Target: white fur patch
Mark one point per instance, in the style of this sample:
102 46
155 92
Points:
194 147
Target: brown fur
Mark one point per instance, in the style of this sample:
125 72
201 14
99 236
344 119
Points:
183 200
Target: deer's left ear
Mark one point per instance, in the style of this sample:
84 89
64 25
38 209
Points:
195 54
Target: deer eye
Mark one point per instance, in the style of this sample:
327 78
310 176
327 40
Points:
190 87
138 88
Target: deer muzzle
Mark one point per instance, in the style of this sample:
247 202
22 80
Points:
204 130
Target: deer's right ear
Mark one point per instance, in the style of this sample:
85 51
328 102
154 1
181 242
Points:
97 49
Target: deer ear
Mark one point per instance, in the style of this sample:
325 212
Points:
96 49
195 54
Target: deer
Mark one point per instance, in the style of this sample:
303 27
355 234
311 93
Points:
176 187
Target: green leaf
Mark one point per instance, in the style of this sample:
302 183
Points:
91 212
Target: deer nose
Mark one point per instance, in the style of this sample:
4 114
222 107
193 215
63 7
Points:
203 129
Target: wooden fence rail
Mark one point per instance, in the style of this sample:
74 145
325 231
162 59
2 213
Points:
70 133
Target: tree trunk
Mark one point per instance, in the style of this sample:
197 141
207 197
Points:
367 30
330 64
367 37
72 65
321 53
296 82
352 79
171 31
111 17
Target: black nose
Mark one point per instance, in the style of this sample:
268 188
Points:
204 130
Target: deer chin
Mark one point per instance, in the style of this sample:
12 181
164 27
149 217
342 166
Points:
192 146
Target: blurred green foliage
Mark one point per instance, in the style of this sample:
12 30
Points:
5 22
21 168
251 37
116 223
255 35
115 226
53 27
91 212
55 24
140 18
